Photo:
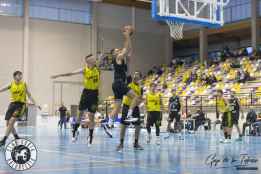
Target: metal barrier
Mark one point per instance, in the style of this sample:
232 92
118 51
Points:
206 103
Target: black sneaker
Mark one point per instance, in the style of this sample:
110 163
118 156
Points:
105 127
2 143
119 148
138 147
17 137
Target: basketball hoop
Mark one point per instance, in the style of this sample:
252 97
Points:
176 29
176 13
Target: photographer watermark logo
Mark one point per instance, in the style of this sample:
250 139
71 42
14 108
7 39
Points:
21 154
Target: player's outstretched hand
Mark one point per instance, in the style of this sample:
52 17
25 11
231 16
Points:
54 77
128 30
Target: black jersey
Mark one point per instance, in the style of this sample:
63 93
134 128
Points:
234 105
174 104
120 71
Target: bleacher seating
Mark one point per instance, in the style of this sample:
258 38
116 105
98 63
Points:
240 73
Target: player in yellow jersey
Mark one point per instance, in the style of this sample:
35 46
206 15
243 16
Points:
16 109
89 99
154 108
135 86
227 120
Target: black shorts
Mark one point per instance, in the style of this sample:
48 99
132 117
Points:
16 109
235 118
120 88
174 115
227 120
89 100
154 117
135 114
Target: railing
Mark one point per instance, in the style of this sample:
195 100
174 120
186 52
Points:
206 103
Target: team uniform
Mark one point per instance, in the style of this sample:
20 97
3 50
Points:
153 105
18 100
235 108
89 98
174 108
127 102
223 107
119 86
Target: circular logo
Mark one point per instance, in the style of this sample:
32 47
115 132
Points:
21 154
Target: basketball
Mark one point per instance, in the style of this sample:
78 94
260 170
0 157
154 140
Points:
129 28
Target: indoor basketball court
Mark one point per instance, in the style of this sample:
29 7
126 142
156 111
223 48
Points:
130 86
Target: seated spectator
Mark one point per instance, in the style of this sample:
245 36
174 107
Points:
199 117
243 52
250 119
226 53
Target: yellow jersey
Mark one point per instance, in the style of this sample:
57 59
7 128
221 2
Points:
222 105
137 90
153 101
91 78
18 92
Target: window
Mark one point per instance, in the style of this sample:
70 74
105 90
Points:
237 10
11 7
76 11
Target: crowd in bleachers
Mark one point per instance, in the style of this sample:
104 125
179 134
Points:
229 72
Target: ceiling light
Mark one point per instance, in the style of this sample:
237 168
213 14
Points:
5 4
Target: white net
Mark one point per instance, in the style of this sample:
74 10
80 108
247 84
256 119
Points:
176 29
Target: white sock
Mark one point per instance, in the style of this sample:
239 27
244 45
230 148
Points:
130 113
110 122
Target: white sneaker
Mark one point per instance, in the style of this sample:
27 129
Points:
158 140
131 120
110 123
149 138
226 141
73 139
221 140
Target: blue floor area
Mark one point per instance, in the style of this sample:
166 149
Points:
57 154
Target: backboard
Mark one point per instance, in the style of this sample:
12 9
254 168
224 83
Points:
209 13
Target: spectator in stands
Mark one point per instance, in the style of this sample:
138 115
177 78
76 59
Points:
255 55
250 119
193 76
226 53
243 76
242 52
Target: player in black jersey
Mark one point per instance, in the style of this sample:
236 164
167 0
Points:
235 110
174 111
119 86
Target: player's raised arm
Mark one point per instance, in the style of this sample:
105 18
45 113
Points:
76 72
127 46
4 88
